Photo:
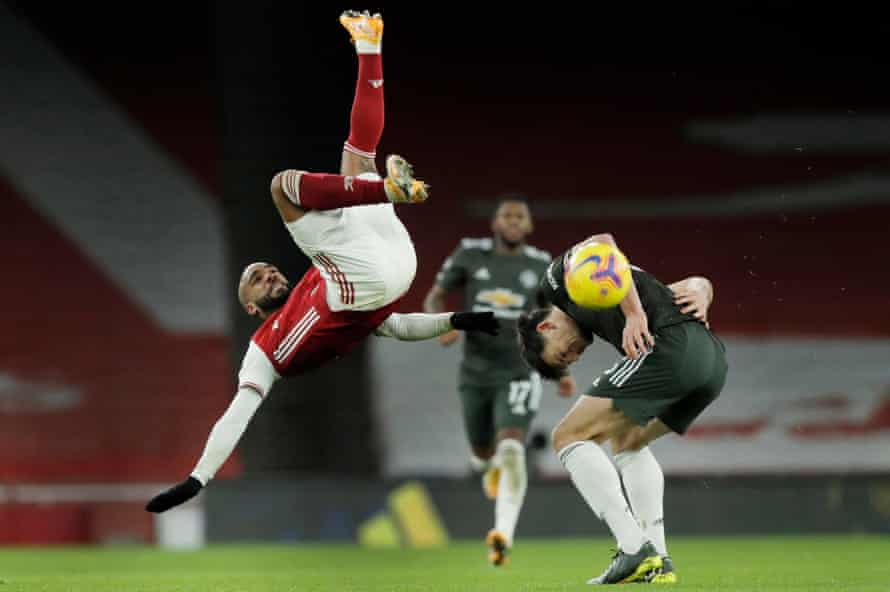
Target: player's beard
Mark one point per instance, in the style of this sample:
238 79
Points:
510 244
269 304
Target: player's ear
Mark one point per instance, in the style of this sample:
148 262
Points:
545 325
251 308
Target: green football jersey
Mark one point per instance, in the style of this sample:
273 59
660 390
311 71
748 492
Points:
608 324
505 284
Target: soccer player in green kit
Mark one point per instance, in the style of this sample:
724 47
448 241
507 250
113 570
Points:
499 395
673 369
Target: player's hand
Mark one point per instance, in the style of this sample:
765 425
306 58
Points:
693 300
178 494
449 338
476 321
637 339
567 386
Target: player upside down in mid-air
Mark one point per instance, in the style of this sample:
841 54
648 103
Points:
363 263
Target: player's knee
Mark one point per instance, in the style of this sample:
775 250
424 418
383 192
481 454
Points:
483 453
511 451
513 433
285 186
630 442
562 436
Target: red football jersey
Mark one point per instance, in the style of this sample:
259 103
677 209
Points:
304 333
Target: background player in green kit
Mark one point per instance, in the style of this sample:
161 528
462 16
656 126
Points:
499 395
674 367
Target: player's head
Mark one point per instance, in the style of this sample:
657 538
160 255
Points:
512 219
550 341
262 289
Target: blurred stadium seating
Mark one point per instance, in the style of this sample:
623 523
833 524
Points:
120 244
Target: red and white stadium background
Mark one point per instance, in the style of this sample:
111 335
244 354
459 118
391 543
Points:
115 350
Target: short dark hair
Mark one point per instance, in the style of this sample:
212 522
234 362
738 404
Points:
510 198
531 344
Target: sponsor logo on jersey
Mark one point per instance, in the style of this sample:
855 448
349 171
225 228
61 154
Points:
501 298
376 83
528 278
482 274
275 325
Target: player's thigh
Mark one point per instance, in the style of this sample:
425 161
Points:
636 437
684 412
704 375
477 409
378 254
516 403
645 388
590 418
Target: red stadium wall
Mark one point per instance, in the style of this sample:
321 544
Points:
82 362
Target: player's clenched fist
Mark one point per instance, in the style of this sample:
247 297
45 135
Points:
476 321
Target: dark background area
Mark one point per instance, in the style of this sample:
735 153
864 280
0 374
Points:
585 110
551 101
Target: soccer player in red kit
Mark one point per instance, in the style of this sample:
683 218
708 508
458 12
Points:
363 263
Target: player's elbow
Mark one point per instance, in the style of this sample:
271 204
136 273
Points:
700 282
285 187
434 301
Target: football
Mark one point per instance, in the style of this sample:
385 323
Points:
597 276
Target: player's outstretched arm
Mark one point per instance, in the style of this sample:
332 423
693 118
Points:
435 303
694 295
418 326
223 438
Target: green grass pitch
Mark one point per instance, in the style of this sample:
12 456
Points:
738 564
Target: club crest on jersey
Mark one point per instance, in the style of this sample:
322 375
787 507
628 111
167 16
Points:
501 298
528 279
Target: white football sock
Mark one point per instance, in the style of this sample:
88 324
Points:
362 46
597 480
644 484
510 455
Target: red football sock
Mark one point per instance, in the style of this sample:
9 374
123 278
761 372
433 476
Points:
320 191
366 119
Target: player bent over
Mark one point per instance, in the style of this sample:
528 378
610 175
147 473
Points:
661 385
